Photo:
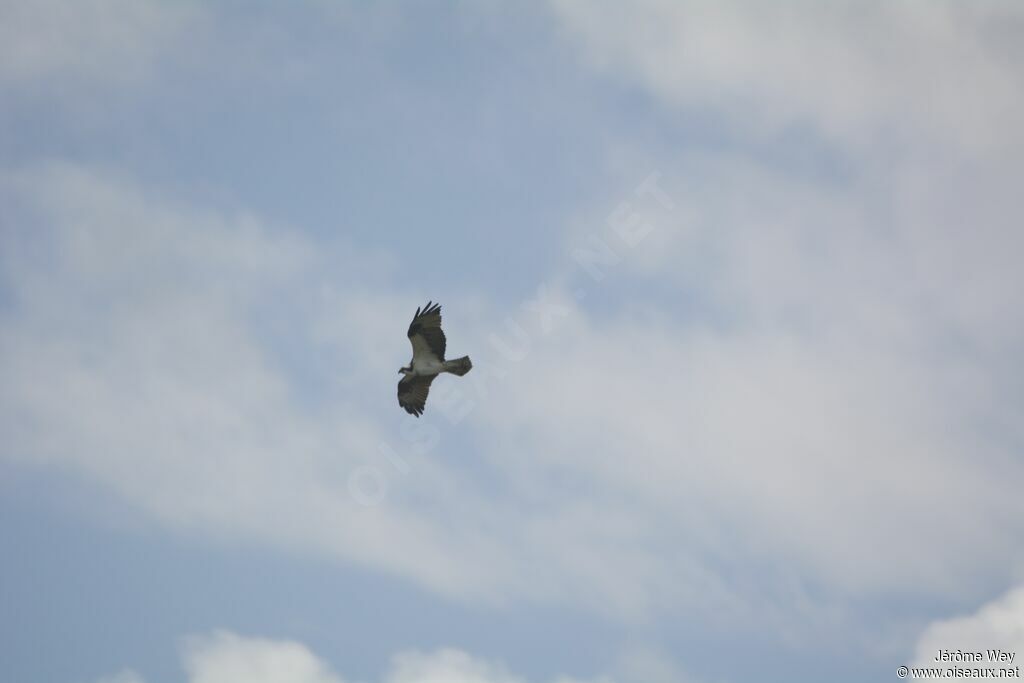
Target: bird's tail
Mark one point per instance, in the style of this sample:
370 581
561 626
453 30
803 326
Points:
459 366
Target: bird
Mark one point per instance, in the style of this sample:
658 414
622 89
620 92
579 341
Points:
428 345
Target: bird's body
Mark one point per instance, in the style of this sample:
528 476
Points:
426 367
428 347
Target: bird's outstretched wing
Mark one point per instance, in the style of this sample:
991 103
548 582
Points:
425 333
412 393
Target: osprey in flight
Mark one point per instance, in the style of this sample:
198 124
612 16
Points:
428 361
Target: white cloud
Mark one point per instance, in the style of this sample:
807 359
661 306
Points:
225 657
996 625
446 666
853 70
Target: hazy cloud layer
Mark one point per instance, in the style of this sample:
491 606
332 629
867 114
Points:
176 394
781 391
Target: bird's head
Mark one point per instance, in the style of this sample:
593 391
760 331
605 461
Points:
405 371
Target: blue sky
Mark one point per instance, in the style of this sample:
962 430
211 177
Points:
739 284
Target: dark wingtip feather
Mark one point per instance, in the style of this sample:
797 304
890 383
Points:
429 309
